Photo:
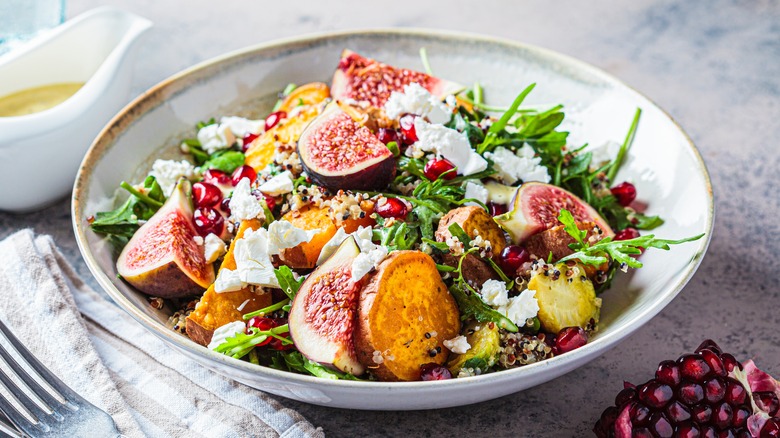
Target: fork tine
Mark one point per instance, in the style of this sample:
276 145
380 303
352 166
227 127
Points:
38 413
7 429
41 392
42 371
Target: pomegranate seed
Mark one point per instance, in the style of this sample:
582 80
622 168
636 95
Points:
497 209
714 390
262 323
626 234
270 202
437 168
702 413
730 362
714 362
607 417
709 344
677 413
709 432
408 133
640 414
660 426
207 220
247 141
512 258
642 432
721 416
391 207
668 373
625 193
693 367
735 393
740 417
434 371
205 194
568 339
690 393
216 177
771 428
625 396
243 172
767 401
655 394
225 206
273 119
688 430
386 135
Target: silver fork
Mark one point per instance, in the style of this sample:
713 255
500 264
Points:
55 411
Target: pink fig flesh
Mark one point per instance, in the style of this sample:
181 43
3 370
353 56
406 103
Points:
367 80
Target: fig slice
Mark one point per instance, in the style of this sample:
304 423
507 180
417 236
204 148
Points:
339 153
535 208
162 259
323 315
367 80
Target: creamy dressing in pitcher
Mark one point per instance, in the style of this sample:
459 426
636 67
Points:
37 99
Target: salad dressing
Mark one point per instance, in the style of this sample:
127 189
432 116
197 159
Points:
37 99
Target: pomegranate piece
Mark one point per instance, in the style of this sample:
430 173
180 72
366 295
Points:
391 208
247 140
216 177
338 153
264 324
205 194
704 394
274 118
243 172
225 206
408 131
512 257
208 220
386 135
625 193
366 80
568 339
434 371
496 209
439 168
627 234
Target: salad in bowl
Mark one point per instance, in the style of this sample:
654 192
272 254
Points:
387 226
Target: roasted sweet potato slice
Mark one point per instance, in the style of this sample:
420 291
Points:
474 220
404 316
217 309
305 255
261 152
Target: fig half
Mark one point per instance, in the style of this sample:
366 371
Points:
339 153
162 259
367 80
536 206
323 315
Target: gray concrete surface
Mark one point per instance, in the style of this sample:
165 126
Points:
715 66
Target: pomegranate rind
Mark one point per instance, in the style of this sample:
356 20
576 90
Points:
162 258
367 80
536 206
757 381
623 425
323 314
339 153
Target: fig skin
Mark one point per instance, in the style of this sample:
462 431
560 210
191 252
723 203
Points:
373 170
162 259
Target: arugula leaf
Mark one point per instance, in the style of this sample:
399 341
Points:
226 161
286 92
295 361
240 344
617 250
624 148
287 282
472 306
456 230
119 225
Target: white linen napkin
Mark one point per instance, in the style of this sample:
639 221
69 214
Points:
112 361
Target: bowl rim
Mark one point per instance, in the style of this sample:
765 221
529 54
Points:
589 351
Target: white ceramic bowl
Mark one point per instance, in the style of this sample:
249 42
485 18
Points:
664 165
96 48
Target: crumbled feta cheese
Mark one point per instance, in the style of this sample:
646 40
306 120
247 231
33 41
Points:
215 137
458 345
476 191
371 255
450 144
417 100
168 172
226 331
521 307
240 126
282 234
494 293
510 167
603 153
278 185
253 261
213 248
198 240
243 204
228 280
